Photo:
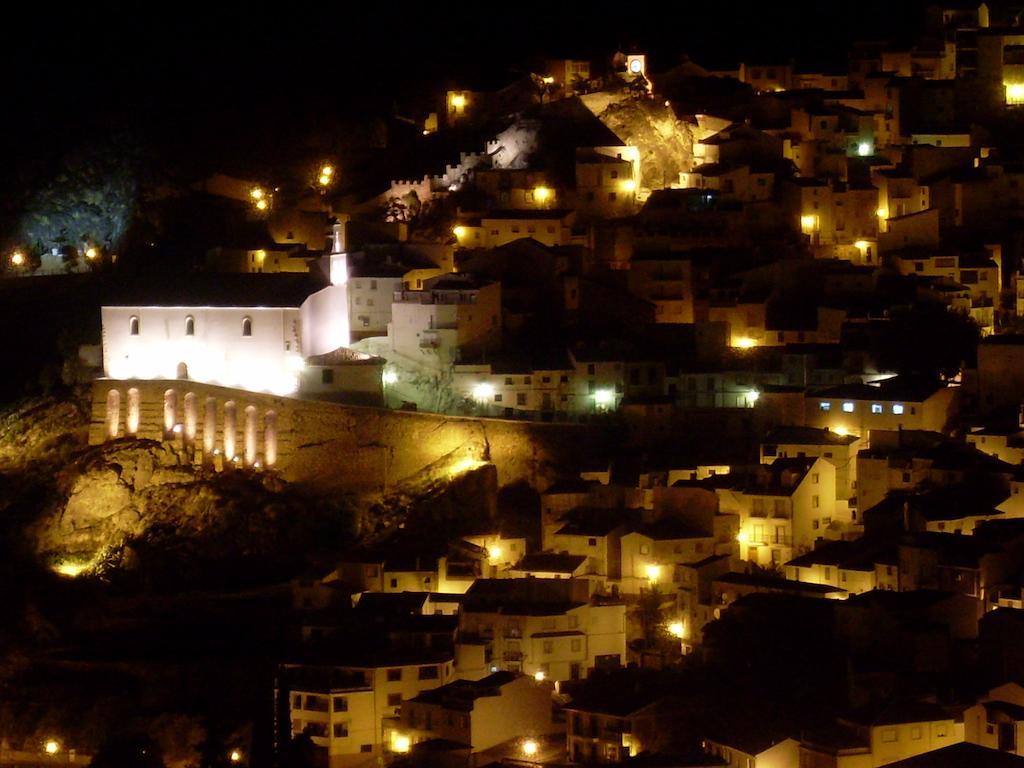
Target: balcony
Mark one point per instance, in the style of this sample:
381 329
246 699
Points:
512 655
513 633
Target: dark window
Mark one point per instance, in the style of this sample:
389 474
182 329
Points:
366 747
394 699
327 376
428 673
190 326
247 326
340 730
133 325
394 675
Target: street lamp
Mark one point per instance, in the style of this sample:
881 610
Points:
530 747
52 747
235 756
18 259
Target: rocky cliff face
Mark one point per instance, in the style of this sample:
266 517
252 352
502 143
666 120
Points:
665 143
141 506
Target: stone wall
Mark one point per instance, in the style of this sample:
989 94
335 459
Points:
331 446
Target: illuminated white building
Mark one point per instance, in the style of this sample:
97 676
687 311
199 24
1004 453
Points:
264 346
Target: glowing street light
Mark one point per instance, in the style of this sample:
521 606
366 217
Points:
628 186
483 392
18 259
459 232
52 747
542 194
742 537
257 193
745 342
864 148
604 398
539 676
494 552
653 572
235 756
389 377
530 747
401 744
91 253
676 629
882 213
261 204
548 80
458 101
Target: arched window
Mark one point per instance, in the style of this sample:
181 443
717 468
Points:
251 421
230 430
270 438
133 325
191 418
113 412
209 429
190 326
170 413
247 326
132 423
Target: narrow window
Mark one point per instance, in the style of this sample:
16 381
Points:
133 325
247 326
190 326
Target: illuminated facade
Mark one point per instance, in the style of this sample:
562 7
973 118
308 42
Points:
258 348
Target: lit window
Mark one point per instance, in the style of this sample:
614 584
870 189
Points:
848 407
876 407
897 408
825 406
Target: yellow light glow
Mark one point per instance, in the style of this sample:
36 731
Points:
51 747
494 552
539 676
91 253
261 205
462 466
257 193
530 747
628 185
327 170
459 231
389 377
862 245
864 149
548 80
808 223
1014 93
401 743
72 569
676 629
542 194
235 756
483 392
652 571
742 537
18 259
324 179
744 342
604 398
841 431
752 396
458 101
882 213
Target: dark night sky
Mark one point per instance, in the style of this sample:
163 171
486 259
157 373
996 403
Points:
165 59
